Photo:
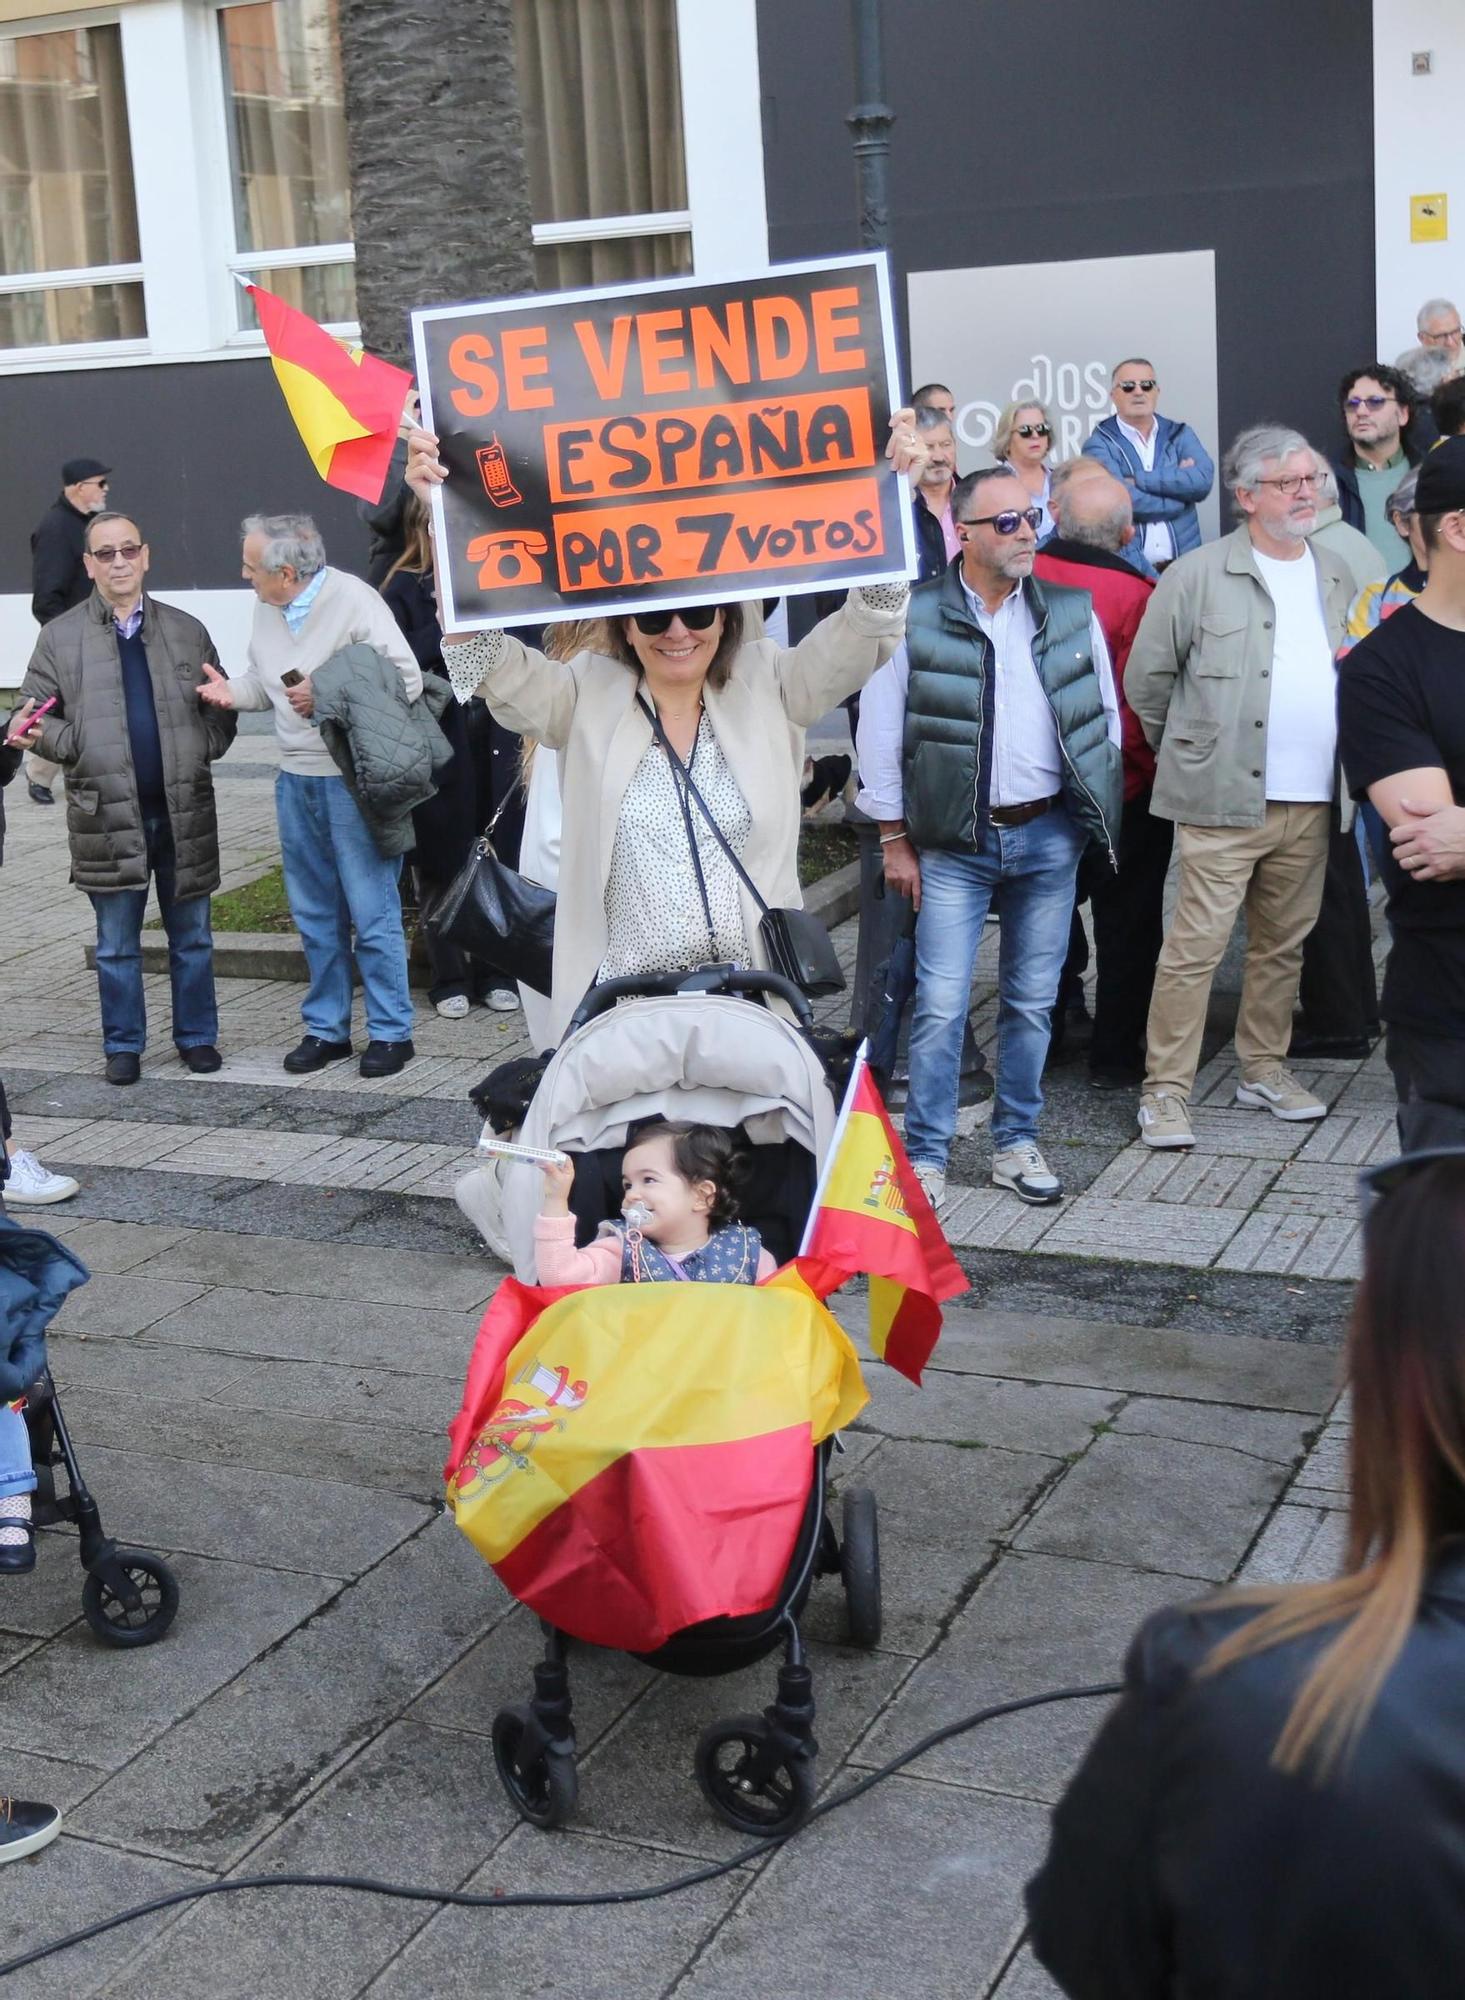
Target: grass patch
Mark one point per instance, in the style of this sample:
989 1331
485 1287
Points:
823 848
258 906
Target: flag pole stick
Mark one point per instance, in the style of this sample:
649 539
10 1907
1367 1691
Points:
857 1070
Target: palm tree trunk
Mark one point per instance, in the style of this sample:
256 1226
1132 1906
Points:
439 191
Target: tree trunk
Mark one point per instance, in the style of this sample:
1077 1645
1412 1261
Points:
439 190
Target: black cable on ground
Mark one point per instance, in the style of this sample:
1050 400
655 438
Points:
526 1899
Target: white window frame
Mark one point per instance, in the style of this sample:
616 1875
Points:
174 76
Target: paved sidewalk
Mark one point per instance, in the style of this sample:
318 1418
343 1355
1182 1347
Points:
259 1376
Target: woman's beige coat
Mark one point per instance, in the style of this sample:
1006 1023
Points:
585 709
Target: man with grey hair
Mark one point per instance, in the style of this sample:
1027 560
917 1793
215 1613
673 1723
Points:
335 878
1363 562
1161 461
1438 326
1231 676
936 536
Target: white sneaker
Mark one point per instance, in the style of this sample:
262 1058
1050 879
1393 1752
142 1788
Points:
1164 1120
502 1000
933 1183
454 1008
1278 1091
30 1186
1024 1170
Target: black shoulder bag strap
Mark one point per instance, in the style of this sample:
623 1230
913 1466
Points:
681 779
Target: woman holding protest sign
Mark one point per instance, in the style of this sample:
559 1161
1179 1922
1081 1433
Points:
681 692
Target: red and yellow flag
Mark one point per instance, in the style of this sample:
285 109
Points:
347 404
871 1214
634 1459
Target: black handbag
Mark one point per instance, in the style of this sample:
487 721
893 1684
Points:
795 943
496 915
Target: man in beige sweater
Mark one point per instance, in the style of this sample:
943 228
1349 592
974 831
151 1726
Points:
335 879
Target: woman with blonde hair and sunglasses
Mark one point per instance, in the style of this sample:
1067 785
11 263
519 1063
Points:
644 884
1275 1810
1022 442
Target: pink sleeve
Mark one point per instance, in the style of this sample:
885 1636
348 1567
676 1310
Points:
560 1263
766 1266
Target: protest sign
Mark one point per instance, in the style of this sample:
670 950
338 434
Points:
678 442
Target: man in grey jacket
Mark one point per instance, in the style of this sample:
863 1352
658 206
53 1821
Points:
1231 676
128 730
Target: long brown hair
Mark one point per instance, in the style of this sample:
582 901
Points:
1406 1364
416 541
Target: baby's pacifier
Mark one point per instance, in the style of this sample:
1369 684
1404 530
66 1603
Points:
637 1215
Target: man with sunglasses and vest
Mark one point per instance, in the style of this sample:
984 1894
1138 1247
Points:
1163 463
989 755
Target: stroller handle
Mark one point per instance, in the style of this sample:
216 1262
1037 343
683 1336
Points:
705 979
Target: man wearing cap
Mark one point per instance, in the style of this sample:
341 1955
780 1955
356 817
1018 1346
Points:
1401 720
58 571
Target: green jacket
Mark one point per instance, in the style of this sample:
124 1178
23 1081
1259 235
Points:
389 749
1200 679
950 656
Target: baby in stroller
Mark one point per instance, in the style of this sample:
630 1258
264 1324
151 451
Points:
680 1213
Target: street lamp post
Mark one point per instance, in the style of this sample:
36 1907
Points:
870 122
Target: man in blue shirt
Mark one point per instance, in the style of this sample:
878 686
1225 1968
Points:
1163 464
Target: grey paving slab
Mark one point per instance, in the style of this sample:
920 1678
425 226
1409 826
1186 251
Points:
388 1455
1155 1503
140 1367
48 1598
1037 1623
114 1246
61 1889
971 1409
1302 1543
336 1389
297 1329
226 1773
912 1888
99 1706
1327 1464
625 1953
29 1774
287 1521
500 1669
637 1782
315 1270
1094 1227
1163 1361
114 1306
410 1804
1265 1434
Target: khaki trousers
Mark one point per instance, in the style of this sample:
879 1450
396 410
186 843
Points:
1275 871
38 771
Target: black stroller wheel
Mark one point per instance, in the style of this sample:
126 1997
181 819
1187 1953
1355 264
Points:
542 1782
118 1624
859 1567
749 1782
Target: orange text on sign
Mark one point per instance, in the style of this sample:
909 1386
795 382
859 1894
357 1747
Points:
666 450
605 548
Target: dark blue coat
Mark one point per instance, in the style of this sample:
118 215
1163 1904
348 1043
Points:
36 1276
1171 491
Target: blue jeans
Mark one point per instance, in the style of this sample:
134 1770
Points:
17 1474
190 957
336 880
1028 873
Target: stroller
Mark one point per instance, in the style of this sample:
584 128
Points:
704 1047
130 1596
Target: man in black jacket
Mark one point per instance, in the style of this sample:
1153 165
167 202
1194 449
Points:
58 574
1376 404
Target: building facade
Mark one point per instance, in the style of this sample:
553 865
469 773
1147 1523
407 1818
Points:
1231 187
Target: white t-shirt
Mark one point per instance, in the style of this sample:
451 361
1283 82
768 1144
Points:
1302 724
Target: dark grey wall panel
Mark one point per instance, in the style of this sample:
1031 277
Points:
194 446
1073 130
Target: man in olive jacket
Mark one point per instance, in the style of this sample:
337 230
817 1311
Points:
1231 675
136 745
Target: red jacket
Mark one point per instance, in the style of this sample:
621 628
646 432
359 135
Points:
1120 595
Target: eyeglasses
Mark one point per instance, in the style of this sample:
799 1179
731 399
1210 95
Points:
1129 388
1367 402
1034 431
1439 339
1008 522
696 618
129 552
1292 486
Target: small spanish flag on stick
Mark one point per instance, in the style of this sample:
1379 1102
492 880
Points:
347 404
871 1214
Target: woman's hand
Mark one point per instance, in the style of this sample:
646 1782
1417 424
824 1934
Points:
424 468
559 1178
214 688
22 734
905 451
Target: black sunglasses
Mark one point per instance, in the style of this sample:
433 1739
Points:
1034 430
1129 387
1008 522
696 618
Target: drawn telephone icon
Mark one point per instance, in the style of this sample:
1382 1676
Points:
508 559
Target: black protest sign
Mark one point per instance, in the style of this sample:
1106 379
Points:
680 442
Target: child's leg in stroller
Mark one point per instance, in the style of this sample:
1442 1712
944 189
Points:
17 1480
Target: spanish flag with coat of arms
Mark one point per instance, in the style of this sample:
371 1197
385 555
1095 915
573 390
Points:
870 1214
635 1459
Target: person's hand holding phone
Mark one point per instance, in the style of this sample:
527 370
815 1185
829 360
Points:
24 732
298 692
